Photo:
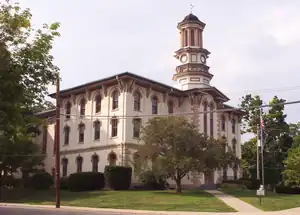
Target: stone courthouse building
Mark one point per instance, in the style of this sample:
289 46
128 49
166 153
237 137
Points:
100 120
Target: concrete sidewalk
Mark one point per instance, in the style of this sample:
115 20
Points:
234 202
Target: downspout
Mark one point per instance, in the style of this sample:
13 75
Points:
123 122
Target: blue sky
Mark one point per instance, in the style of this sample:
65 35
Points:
254 44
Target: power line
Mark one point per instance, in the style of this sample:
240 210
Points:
181 113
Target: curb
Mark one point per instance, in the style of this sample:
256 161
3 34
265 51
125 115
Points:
114 211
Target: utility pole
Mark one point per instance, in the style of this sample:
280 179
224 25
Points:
257 155
262 148
57 144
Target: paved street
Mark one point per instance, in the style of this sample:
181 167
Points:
30 211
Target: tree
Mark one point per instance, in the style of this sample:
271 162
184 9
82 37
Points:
249 156
26 70
292 168
277 140
295 134
174 147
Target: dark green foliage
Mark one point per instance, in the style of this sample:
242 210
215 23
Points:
118 177
281 188
153 182
41 181
86 181
250 184
9 181
64 183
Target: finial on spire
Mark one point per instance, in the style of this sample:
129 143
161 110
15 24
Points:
191 8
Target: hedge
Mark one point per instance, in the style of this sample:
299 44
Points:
118 177
86 181
152 181
41 181
64 183
250 184
287 190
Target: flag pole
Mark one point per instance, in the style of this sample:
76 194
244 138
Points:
262 148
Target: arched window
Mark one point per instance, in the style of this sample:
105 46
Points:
98 103
115 99
224 143
154 105
223 123
79 162
112 159
170 107
68 109
185 38
205 118
233 143
137 101
66 135
192 37
95 161
82 107
64 163
211 120
81 128
97 126
233 125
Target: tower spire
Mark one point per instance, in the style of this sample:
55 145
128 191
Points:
191 8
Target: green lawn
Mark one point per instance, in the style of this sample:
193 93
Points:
271 202
138 200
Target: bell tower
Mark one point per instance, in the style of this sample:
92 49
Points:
192 71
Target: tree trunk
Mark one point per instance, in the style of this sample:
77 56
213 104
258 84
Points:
178 185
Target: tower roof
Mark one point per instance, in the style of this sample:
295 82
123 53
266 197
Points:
191 18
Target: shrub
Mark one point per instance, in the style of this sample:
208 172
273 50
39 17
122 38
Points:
118 177
64 183
9 181
86 181
153 181
250 184
41 181
280 188
233 186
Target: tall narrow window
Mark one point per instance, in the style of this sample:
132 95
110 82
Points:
192 37
170 107
66 135
205 118
97 125
235 171
199 38
234 145
79 161
233 125
98 103
225 173
154 105
115 99
81 128
114 127
224 143
68 110
185 38
223 123
95 161
64 164
82 107
137 101
45 138
211 120
136 127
